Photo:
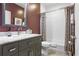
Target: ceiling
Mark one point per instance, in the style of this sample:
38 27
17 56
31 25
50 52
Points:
46 5
49 5
21 4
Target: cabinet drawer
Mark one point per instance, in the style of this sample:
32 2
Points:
10 49
23 44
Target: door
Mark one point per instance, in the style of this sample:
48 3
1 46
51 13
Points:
70 31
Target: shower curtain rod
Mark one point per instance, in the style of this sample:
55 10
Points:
57 9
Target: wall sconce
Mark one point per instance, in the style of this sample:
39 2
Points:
32 7
20 12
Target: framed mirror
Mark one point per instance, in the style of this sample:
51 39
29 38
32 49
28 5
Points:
15 14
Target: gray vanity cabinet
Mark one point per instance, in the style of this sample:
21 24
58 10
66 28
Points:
25 47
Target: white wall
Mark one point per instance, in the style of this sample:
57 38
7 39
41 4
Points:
56 6
55 27
42 8
46 7
77 29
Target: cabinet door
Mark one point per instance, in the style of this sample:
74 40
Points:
31 49
38 49
35 47
23 44
23 53
31 52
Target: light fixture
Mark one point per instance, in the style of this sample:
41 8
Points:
20 12
32 7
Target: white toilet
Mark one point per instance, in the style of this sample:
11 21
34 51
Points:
46 45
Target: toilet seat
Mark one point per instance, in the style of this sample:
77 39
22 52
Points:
46 44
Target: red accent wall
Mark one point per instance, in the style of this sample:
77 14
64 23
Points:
34 18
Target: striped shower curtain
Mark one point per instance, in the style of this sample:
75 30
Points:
70 31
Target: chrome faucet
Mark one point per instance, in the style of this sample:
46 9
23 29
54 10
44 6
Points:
9 33
18 30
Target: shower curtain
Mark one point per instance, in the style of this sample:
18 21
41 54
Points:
55 27
70 31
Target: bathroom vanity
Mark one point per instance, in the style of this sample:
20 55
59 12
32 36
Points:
21 45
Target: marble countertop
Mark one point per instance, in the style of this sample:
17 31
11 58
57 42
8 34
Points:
6 39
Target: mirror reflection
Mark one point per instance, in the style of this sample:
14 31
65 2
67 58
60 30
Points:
15 14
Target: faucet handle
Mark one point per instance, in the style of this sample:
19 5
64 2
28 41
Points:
9 28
